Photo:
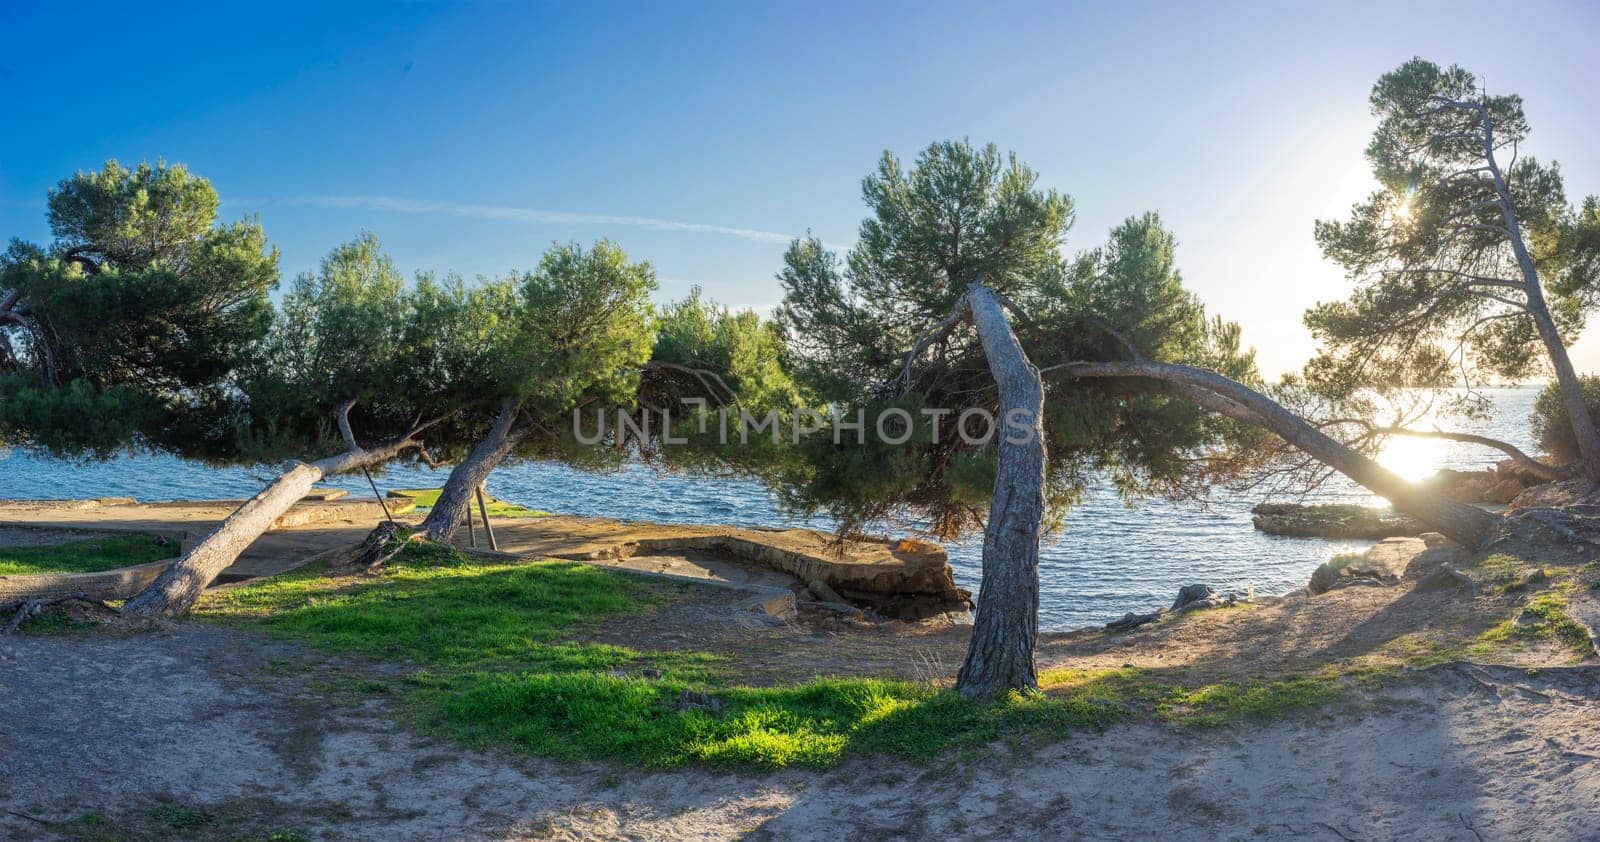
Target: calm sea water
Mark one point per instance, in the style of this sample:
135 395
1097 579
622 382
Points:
1111 559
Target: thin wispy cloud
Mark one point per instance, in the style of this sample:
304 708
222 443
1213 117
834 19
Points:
504 213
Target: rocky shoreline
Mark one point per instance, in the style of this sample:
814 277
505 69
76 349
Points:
1503 485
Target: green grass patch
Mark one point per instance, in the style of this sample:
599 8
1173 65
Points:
499 660
1545 618
86 556
439 607
815 723
427 498
1229 703
1504 573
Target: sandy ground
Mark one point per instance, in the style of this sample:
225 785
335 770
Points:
205 716
121 728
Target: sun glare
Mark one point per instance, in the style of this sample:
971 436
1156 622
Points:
1413 458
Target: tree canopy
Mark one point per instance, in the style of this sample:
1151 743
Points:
872 331
128 327
1466 268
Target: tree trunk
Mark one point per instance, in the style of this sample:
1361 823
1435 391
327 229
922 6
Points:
1000 655
455 499
1467 525
175 591
1583 428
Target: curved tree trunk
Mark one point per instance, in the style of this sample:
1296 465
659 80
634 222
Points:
1467 525
175 591
1006 626
455 499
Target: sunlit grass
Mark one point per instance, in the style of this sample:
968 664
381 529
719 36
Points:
427 498
85 556
1545 618
498 657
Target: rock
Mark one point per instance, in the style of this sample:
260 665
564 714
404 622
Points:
1508 468
1385 563
843 611
1360 581
1333 521
1446 578
1584 609
1434 540
1189 594
1323 578
1461 486
1552 494
1504 491
1387 560
1132 621
694 700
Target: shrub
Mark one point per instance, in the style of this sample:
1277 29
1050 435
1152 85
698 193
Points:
1550 426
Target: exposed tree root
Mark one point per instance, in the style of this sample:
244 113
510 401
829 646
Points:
30 608
383 544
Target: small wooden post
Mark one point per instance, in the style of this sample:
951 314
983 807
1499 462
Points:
487 529
472 537
370 481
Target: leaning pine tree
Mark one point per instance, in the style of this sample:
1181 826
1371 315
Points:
957 298
1469 261
575 333
354 371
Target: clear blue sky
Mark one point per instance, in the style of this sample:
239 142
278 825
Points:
701 136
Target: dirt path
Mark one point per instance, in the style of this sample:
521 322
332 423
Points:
142 731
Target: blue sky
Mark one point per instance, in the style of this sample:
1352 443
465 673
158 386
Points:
701 136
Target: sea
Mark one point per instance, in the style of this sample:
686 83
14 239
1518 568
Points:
1111 558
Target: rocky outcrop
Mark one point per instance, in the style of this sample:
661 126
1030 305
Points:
1553 495
1333 521
1491 485
1190 598
1386 563
1446 578
902 578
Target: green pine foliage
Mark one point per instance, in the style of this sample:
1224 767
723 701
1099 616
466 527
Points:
1439 298
134 319
958 214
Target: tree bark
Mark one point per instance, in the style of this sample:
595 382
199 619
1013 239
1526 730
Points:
1583 427
175 591
1006 626
1467 525
455 499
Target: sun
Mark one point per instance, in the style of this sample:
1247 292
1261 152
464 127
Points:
1413 458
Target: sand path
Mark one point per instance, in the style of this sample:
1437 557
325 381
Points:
111 725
